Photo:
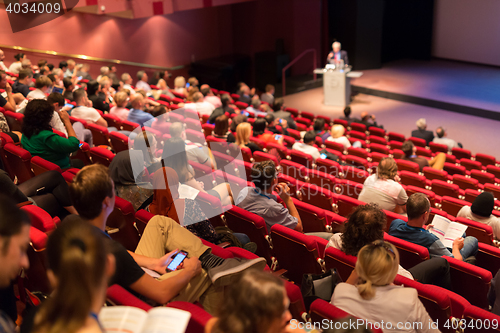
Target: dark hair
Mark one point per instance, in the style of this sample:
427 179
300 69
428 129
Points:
440 132
77 255
241 118
225 99
263 174
221 125
319 124
269 87
175 157
255 103
92 87
278 104
37 117
259 126
407 148
205 91
12 221
159 110
78 94
42 62
251 304
63 64
365 225
19 56
52 77
347 111
89 189
67 82
50 66
43 70
417 205
56 98
269 118
24 73
309 136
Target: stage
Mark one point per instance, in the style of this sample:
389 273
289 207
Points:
447 85
408 89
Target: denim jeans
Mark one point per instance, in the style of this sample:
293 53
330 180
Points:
243 238
470 247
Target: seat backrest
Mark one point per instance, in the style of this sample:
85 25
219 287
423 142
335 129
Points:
411 178
322 179
443 188
112 120
493 189
477 319
470 282
19 162
193 124
100 134
335 146
482 231
454 169
236 183
302 158
4 139
409 254
345 205
101 155
453 205
254 226
129 126
379 148
482 177
415 189
494 170
488 257
396 137
14 120
348 188
291 247
39 166
36 274
357 135
121 223
470 164
358 127
377 139
343 263
437 147
391 216
408 166
377 131
465 182
461 153
358 152
195 135
313 218
421 151
485 160
328 167
418 142
40 219
295 170
317 196
119 141
358 162
354 174
431 174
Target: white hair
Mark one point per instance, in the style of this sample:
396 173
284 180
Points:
337 44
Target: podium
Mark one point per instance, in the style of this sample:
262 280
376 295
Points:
337 85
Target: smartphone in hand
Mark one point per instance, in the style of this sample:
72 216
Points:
176 261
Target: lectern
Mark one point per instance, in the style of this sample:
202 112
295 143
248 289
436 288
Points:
337 85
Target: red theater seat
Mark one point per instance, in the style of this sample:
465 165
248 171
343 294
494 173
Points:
19 162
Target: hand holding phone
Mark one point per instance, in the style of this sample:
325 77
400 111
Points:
278 136
176 261
323 156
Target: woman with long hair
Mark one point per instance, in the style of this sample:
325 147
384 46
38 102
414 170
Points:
39 139
243 132
371 295
80 265
256 303
175 157
221 130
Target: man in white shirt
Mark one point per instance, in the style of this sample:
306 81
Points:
443 140
127 83
84 109
199 105
307 146
143 81
209 96
43 87
71 68
195 152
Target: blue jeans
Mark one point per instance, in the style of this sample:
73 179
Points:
470 247
243 238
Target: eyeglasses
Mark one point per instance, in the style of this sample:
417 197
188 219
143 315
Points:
385 245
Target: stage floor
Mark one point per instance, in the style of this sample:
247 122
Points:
455 86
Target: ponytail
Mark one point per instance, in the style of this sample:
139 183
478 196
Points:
366 290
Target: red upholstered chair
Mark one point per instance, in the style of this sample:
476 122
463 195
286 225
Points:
229 164
329 167
100 134
302 158
117 295
393 136
470 282
411 178
493 189
282 151
431 174
254 226
477 320
290 247
313 218
342 122
397 154
483 177
488 257
193 124
358 127
39 166
360 152
348 188
241 105
408 166
451 159
485 160
357 135
113 121
410 189
465 182
18 160
294 170
316 196
483 232
343 263
391 216
199 317
4 139
494 170
438 148
178 94
304 121
418 142
377 131
409 254
40 219
442 188
453 205
191 114
212 208
377 139
421 151
470 195
121 224
203 173
335 146
470 164
297 307
208 129
327 119
36 275
83 153
454 169
354 174
14 120
345 205
101 155
119 141
293 112
236 183
322 179
235 97
195 136
307 115
129 126
357 161
461 153
379 148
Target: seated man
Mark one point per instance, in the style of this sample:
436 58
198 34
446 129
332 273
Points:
209 96
194 152
272 122
127 83
199 105
443 140
347 116
261 201
84 109
268 96
43 86
307 146
418 209
68 89
225 100
23 81
422 132
136 114
437 162
368 120
201 276
142 82
280 114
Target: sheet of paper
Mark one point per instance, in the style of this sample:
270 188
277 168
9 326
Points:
455 230
151 272
166 320
440 226
122 319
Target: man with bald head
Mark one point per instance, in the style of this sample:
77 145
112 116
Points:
368 120
136 114
200 105
127 83
337 54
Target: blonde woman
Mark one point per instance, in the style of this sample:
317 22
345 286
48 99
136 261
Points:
120 110
383 188
337 135
180 85
371 295
243 132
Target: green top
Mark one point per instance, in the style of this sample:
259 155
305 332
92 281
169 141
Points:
51 147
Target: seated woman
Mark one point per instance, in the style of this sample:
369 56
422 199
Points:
130 183
187 212
371 295
39 139
80 266
319 129
146 143
162 84
180 85
337 135
481 210
174 156
365 225
256 303
48 191
384 189
120 109
437 162
221 130
243 132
